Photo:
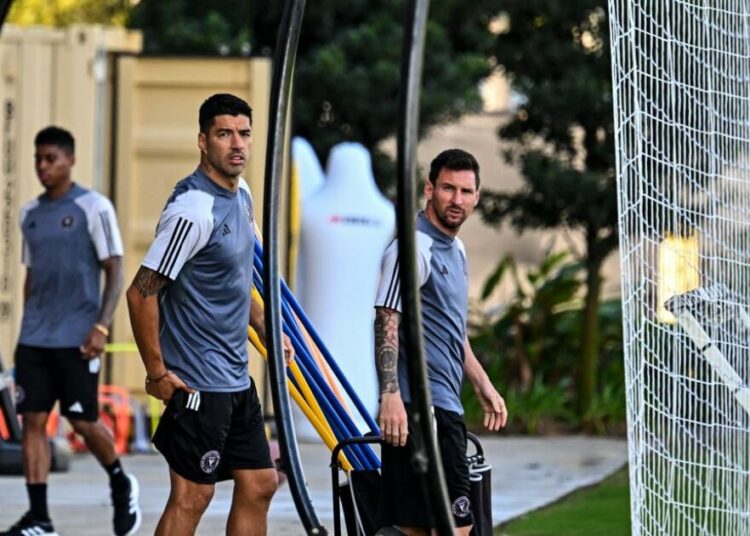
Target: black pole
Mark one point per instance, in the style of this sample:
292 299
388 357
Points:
4 10
283 70
426 458
8 410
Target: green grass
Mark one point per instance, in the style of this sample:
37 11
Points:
600 509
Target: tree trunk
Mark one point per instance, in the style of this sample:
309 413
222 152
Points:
589 366
525 373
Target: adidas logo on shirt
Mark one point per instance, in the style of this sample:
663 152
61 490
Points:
225 230
76 408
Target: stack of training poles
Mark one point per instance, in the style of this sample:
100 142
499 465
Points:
315 380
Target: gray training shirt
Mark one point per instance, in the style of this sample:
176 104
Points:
64 242
204 244
444 288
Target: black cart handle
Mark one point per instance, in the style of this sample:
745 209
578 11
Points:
335 474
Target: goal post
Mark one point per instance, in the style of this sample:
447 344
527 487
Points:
681 98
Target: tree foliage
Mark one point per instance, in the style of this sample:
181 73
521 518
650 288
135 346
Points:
556 55
66 12
194 27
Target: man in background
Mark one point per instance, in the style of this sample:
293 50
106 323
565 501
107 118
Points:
70 235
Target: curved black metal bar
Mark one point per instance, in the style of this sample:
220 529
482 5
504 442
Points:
283 71
4 10
426 458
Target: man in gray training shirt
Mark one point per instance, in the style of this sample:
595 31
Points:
190 304
70 236
451 192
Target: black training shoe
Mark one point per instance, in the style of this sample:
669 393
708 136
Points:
127 516
27 526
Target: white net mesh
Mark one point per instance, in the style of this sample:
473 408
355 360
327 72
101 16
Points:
681 74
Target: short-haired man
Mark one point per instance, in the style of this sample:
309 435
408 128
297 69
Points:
70 235
190 303
451 193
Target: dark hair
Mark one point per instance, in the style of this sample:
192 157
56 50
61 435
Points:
455 160
221 104
60 137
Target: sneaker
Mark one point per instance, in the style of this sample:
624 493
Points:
28 526
127 516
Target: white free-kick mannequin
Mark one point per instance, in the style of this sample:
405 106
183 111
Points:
310 177
346 226
309 170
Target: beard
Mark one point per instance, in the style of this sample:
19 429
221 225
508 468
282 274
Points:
442 216
223 167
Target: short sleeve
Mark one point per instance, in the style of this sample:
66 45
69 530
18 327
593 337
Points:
389 288
101 223
25 250
104 231
184 229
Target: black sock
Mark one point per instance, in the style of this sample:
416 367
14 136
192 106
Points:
38 501
117 478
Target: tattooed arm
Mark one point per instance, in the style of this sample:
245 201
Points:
392 416
386 348
143 306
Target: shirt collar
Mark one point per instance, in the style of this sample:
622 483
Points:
426 226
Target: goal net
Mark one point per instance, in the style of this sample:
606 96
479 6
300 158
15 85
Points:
681 87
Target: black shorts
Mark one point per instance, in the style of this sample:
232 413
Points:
204 436
45 375
402 501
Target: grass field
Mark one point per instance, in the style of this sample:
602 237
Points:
600 509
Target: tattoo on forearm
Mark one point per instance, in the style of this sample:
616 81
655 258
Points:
149 282
386 349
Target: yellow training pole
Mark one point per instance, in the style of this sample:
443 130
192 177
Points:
322 429
318 356
297 373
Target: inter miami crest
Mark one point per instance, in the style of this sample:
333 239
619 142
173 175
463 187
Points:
210 461
461 507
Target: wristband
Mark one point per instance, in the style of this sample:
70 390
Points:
101 328
156 380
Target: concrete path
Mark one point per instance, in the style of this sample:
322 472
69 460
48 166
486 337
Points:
527 473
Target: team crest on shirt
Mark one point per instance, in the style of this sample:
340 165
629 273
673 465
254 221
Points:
210 461
67 221
461 507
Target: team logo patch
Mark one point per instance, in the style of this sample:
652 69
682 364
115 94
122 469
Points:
67 222
210 461
20 394
461 507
